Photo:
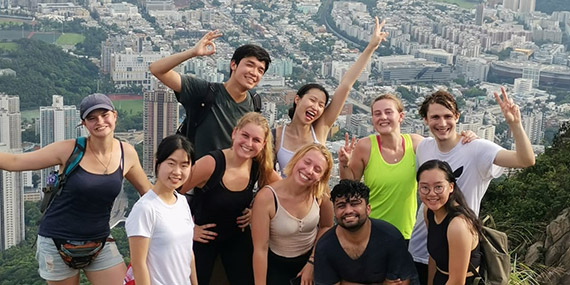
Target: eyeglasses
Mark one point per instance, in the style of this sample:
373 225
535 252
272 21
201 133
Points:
438 189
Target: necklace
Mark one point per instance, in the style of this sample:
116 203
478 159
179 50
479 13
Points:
103 164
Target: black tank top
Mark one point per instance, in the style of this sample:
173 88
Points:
438 245
214 203
82 210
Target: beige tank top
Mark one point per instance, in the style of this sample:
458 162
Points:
290 236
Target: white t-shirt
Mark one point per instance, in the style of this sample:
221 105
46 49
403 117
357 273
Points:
474 163
170 229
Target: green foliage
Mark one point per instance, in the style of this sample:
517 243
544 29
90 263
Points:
534 196
407 95
18 264
549 6
475 92
44 70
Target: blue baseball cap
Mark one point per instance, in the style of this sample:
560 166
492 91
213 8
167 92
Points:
94 102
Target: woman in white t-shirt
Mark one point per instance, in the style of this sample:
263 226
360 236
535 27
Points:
160 226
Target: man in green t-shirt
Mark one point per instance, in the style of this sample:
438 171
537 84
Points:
231 98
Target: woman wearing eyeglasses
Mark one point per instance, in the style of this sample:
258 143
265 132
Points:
453 228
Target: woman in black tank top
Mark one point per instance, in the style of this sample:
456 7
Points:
82 209
453 228
224 181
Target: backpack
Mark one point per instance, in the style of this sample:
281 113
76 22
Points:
196 113
56 181
495 257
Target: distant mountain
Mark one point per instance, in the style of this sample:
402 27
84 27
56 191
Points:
549 6
43 70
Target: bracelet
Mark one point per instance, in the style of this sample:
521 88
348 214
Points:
310 262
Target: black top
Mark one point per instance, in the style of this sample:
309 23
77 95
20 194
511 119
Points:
438 245
82 210
385 257
214 203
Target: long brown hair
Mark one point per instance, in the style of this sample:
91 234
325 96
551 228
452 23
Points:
265 156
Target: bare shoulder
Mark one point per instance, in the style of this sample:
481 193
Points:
459 225
363 145
416 139
264 196
129 151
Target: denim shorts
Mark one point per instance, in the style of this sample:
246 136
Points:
52 267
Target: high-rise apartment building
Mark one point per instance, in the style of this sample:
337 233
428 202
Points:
10 121
57 122
160 119
527 6
534 124
12 229
511 4
479 11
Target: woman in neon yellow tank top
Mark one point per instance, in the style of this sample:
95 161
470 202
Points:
388 162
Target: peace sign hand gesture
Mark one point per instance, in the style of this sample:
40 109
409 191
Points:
345 152
508 107
378 36
206 46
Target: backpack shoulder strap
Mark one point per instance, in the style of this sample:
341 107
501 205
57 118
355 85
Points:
70 165
256 101
76 156
198 111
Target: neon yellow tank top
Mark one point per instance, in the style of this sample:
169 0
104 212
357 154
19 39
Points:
393 186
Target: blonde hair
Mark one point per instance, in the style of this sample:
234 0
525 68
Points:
388 96
319 189
265 156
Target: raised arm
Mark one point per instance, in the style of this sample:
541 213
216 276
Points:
162 68
53 154
341 93
263 206
523 155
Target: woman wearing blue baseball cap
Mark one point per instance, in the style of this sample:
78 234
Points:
74 231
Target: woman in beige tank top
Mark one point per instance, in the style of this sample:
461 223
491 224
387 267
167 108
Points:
289 216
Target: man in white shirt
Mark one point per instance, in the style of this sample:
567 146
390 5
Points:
474 164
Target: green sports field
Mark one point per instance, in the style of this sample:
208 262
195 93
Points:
132 107
461 3
70 39
8 46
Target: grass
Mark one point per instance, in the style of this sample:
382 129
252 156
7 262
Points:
30 114
132 107
461 3
9 46
70 39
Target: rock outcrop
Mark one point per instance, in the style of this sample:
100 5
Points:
554 250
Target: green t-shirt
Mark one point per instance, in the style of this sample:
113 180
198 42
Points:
215 131
393 187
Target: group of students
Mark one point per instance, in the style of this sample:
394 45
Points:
272 238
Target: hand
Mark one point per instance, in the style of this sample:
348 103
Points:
202 235
345 152
306 274
392 282
508 107
468 136
377 35
206 46
243 221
